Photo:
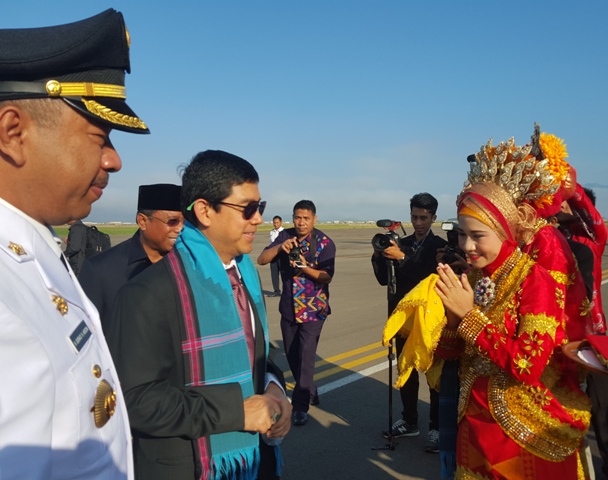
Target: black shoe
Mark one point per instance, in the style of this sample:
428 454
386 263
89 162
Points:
432 445
299 418
314 400
402 429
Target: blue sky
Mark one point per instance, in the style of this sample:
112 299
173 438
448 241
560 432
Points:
356 105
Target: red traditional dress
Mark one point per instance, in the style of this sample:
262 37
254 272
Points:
591 231
550 249
522 413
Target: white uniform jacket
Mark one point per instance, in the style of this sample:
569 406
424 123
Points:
53 358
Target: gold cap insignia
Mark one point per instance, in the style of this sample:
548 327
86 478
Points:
105 403
60 303
17 249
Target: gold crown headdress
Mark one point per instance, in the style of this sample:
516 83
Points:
532 173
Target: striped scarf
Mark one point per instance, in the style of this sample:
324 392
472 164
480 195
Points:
220 354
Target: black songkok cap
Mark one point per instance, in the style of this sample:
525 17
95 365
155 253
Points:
162 196
83 63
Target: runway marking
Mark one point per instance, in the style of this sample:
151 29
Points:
336 369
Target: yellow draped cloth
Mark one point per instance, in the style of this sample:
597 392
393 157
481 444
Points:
419 317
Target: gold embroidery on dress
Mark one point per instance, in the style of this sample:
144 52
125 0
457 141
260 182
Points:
559 298
585 308
508 279
562 278
540 323
521 412
463 473
533 345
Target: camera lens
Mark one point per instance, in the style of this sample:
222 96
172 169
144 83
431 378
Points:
294 254
381 242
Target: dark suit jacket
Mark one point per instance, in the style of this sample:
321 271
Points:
75 247
145 338
102 275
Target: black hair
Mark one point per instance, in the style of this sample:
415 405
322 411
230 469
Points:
211 175
426 201
305 205
277 216
591 194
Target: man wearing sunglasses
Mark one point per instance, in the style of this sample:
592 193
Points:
190 340
307 258
160 220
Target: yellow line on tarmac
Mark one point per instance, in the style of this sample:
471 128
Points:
345 366
350 353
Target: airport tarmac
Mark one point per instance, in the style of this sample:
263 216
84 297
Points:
342 439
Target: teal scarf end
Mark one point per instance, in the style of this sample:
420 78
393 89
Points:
238 465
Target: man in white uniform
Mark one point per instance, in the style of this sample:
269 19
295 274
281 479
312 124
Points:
275 266
62 414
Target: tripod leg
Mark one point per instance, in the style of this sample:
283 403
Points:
391 437
391 358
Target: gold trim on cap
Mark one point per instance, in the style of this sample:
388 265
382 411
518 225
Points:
110 115
85 89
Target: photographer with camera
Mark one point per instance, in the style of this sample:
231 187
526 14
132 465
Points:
307 257
452 254
414 259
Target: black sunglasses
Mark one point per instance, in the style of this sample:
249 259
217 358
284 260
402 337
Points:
249 209
171 223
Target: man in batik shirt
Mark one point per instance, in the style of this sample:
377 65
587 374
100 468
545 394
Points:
307 258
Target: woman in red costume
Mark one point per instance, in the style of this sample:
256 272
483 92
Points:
549 247
522 414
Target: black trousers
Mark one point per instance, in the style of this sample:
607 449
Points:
597 389
301 340
274 275
409 396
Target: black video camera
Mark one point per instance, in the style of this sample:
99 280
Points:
451 229
381 241
294 253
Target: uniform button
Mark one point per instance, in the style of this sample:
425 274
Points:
97 371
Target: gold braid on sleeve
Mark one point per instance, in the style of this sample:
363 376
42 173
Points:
449 334
472 324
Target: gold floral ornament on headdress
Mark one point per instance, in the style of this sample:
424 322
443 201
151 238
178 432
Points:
554 150
532 173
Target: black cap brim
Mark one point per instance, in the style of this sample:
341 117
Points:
110 111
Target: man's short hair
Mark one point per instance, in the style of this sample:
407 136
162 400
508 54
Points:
46 112
305 205
425 201
211 175
277 216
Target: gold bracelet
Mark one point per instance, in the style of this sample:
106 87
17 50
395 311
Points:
449 333
472 325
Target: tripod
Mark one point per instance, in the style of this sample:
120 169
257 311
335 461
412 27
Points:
391 288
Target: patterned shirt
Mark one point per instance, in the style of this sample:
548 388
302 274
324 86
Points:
304 300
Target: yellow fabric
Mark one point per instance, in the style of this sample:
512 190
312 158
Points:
419 317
